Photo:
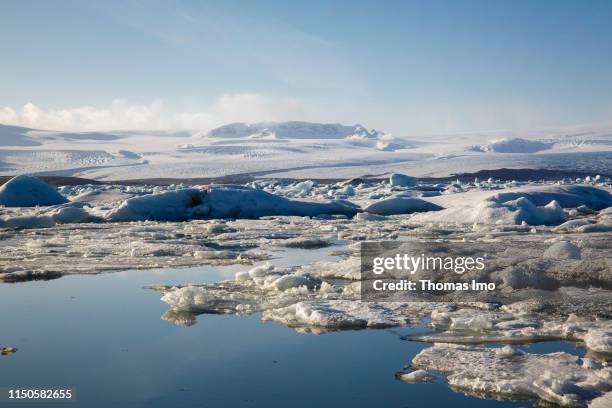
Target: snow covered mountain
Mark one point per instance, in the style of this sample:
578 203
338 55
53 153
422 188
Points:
515 145
291 130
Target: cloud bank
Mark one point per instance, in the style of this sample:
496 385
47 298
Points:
122 115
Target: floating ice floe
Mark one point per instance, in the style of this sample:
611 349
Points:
93 248
296 297
512 325
417 376
343 314
27 191
559 378
599 339
261 288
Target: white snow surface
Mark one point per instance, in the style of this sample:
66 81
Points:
290 149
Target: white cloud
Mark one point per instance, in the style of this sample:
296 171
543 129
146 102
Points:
121 115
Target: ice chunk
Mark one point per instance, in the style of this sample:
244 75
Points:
241 202
261 270
555 377
583 209
366 216
337 314
562 250
535 205
551 214
567 196
401 180
218 228
221 202
348 190
401 205
303 187
191 298
27 191
70 215
349 268
211 254
417 376
169 206
27 221
604 401
242 276
244 295
599 340
303 242
524 276
295 281
573 225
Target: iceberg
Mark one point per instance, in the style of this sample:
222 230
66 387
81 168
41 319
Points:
533 205
401 205
221 202
525 211
401 180
568 196
28 191
179 205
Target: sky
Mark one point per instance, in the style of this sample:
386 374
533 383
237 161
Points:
404 67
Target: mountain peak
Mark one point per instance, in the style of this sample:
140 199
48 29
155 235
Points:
291 130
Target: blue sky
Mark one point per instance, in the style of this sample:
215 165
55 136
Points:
407 67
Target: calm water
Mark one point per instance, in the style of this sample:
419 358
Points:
103 336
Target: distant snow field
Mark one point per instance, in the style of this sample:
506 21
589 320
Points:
294 149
